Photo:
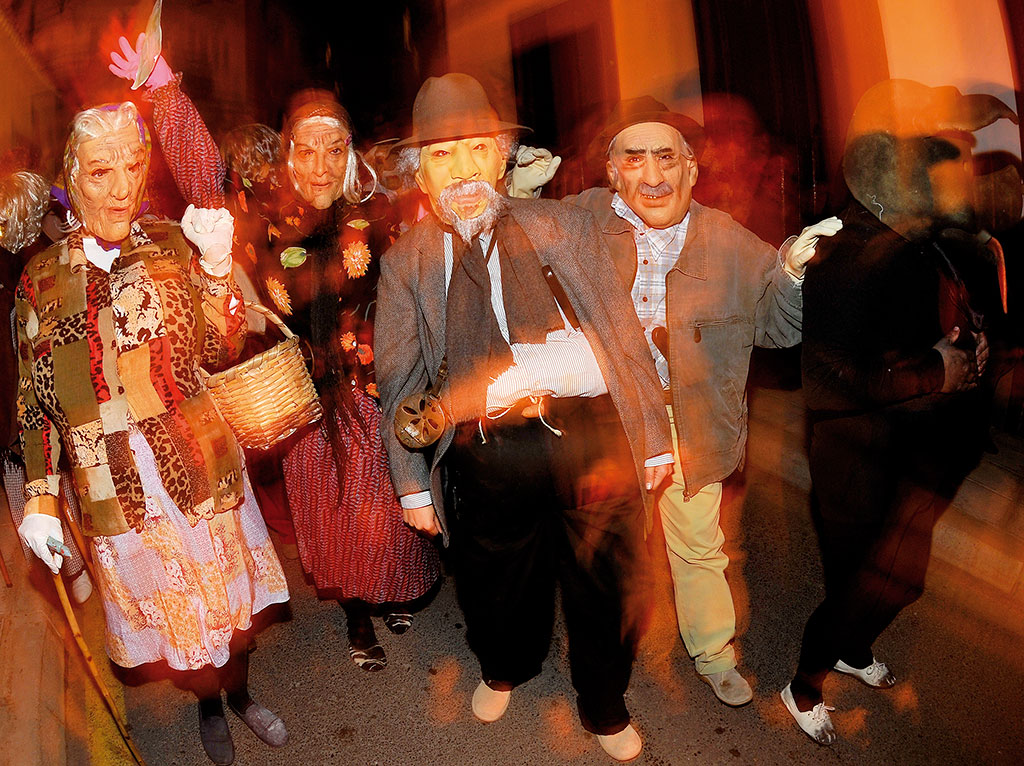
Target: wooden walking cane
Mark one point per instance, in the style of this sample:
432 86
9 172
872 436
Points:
78 537
4 572
122 727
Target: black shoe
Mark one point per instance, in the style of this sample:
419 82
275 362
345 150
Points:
216 737
264 724
363 647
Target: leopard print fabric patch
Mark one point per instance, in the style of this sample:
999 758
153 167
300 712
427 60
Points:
138 313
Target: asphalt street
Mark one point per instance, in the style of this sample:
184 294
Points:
956 652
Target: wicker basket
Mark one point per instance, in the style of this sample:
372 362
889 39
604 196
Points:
270 396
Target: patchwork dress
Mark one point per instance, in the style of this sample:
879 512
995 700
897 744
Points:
109 371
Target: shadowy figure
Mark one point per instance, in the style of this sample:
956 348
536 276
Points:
895 346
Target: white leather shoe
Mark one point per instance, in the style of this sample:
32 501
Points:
816 723
730 687
488 704
81 588
624 745
877 674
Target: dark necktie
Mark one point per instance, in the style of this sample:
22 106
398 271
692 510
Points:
476 350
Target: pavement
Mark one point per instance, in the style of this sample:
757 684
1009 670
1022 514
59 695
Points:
32 659
956 652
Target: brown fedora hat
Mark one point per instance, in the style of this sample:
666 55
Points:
450 107
633 111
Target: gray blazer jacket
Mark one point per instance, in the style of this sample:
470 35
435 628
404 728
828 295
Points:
409 334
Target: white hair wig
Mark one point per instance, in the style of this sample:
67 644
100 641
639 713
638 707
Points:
24 200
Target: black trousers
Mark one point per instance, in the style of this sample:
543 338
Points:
874 520
532 510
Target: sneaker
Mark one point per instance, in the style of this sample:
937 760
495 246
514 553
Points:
622 746
730 687
81 588
877 674
263 723
489 704
816 723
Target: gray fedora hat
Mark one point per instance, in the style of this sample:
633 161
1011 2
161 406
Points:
451 107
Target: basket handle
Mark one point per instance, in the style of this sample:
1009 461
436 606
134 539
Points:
259 308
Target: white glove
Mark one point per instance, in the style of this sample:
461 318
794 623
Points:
802 249
211 231
34 530
534 168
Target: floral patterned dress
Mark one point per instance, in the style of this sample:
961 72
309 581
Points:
176 592
353 544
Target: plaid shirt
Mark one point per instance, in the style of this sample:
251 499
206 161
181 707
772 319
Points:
656 253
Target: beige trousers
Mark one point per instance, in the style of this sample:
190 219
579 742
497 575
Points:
695 542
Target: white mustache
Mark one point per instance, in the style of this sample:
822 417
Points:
465 188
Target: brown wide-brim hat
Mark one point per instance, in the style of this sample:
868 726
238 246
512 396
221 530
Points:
906 110
452 107
634 111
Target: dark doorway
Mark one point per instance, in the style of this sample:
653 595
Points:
760 53
563 63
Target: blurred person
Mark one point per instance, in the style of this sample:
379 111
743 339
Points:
706 291
316 251
252 152
24 201
251 155
400 188
894 349
113 323
744 172
551 422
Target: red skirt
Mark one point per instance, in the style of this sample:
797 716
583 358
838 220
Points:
357 545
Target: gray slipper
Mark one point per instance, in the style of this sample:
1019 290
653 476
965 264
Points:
264 724
216 739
